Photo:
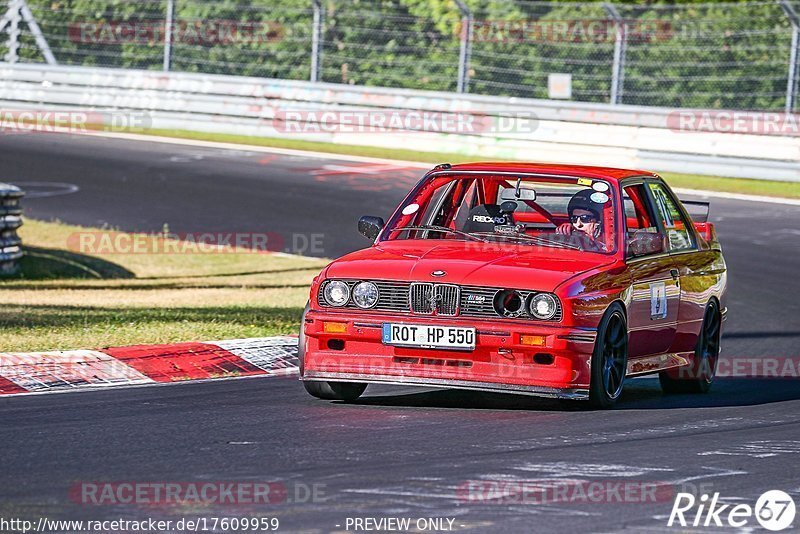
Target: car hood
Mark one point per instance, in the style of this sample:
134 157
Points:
467 263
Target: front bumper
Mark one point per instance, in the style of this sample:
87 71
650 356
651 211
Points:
558 367
536 391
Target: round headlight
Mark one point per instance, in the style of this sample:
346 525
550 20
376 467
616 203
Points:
336 293
508 303
365 294
543 306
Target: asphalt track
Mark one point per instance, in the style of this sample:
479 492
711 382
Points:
397 452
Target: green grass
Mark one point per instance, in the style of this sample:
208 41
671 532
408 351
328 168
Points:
710 183
71 326
766 188
70 299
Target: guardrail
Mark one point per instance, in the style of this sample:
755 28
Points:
595 134
695 54
10 221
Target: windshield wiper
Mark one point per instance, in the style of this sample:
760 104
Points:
536 239
544 241
439 229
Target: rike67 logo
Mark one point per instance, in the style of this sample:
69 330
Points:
774 510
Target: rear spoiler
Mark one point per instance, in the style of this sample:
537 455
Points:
698 209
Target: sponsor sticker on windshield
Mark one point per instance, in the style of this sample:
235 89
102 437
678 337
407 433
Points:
410 209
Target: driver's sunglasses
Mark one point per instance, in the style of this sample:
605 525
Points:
585 219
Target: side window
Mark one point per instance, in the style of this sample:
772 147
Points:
637 212
642 236
434 211
469 200
675 224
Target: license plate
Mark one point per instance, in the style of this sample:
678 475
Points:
428 336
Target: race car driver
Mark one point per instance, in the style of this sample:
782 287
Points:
585 219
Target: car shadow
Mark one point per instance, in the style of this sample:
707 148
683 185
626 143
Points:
645 393
463 400
639 394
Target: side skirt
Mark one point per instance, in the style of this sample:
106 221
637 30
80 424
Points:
657 363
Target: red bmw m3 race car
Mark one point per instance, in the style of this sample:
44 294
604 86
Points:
550 280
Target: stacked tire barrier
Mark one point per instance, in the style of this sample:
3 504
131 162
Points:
10 220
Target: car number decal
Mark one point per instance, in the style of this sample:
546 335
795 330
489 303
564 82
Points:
658 300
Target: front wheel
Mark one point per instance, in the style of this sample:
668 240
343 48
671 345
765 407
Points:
343 391
609 359
698 377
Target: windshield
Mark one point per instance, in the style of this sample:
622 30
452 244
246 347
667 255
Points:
558 213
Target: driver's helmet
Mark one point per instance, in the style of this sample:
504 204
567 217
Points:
582 200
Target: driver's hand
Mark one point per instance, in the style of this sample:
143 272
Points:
564 229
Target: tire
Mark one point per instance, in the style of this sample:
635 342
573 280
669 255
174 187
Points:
700 375
341 391
609 359
301 341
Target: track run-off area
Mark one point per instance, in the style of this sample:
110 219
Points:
396 452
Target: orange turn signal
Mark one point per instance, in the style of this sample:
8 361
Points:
334 328
535 341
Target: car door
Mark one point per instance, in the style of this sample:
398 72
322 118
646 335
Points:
690 263
655 282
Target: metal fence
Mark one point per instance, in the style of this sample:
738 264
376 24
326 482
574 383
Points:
718 55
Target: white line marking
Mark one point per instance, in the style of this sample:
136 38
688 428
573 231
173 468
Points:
39 189
566 469
757 449
256 148
720 472
134 386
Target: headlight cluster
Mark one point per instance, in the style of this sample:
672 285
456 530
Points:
337 293
365 294
542 306
510 303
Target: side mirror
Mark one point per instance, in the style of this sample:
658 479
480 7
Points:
644 243
370 226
